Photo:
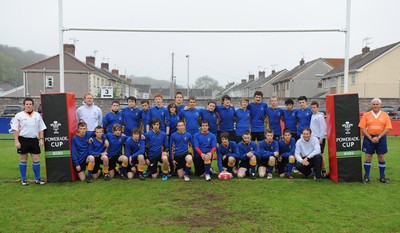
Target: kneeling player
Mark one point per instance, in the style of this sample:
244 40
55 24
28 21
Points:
268 152
80 152
248 152
115 148
205 145
286 159
179 145
227 153
134 149
98 150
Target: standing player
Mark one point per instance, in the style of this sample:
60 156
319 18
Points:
375 124
248 152
303 116
290 117
242 116
158 146
97 149
228 153
209 114
205 144
275 115
257 110
143 117
286 159
173 117
308 155
268 154
318 129
226 114
134 150
112 118
160 112
27 126
179 101
89 113
180 143
116 140
80 152
131 116
190 115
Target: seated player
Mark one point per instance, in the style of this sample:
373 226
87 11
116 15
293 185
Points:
134 150
228 153
180 143
158 146
116 140
205 145
80 152
286 159
97 149
268 154
248 152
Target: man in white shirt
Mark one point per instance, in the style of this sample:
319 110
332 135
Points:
318 129
89 113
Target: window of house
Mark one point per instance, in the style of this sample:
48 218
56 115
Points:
342 81
287 86
333 82
49 81
353 79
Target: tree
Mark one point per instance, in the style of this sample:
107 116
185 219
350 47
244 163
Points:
206 82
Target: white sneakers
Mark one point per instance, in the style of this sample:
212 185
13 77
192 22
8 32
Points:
208 177
186 178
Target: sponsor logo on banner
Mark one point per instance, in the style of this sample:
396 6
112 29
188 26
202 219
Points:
56 126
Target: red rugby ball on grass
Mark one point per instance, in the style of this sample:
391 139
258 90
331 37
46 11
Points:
225 176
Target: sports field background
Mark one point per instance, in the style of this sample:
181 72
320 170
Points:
278 205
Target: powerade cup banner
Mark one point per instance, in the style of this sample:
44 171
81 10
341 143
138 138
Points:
344 141
57 140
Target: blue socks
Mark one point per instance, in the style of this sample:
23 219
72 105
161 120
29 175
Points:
367 168
36 169
207 168
382 166
289 168
22 170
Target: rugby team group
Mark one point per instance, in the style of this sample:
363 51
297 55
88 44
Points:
246 142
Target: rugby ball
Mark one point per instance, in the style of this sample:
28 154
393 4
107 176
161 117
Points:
225 176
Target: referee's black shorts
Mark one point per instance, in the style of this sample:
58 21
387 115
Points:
28 145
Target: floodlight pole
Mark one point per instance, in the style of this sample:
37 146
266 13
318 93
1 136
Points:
346 50
61 44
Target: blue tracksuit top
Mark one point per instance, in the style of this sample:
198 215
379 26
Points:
96 147
80 148
231 150
173 119
162 114
131 119
180 108
156 143
191 118
212 118
110 119
144 119
274 119
134 148
267 149
226 118
290 119
303 119
242 121
257 113
205 142
115 144
245 148
287 149
180 143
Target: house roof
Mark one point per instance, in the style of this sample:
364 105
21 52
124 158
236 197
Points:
71 63
105 72
295 71
261 81
361 60
334 62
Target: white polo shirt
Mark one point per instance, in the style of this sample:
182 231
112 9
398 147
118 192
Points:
27 125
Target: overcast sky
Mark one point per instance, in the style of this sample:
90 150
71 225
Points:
33 25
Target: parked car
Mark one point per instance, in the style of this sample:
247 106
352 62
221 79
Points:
11 110
389 110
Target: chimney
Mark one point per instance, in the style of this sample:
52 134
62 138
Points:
243 80
273 72
69 48
104 66
114 71
302 62
365 50
261 74
122 76
251 77
90 60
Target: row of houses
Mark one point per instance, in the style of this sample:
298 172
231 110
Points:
372 73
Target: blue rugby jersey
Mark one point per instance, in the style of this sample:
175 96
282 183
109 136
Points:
131 119
267 149
162 114
156 143
80 148
205 142
287 149
134 148
115 144
96 148
257 114
212 118
110 119
180 143
245 148
143 118
173 119
231 150
274 119
226 116
242 121
303 119
290 120
191 118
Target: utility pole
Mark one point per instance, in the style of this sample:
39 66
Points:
172 77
